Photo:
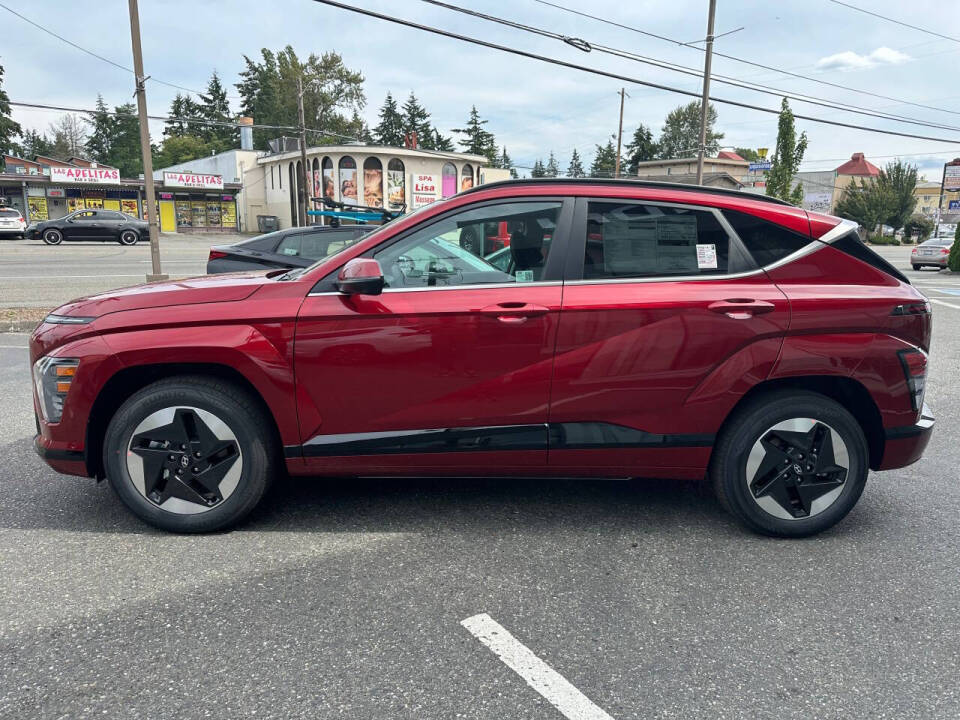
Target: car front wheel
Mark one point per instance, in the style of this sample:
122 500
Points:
128 237
790 464
190 454
52 236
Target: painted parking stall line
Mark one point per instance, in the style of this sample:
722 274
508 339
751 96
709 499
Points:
555 688
944 303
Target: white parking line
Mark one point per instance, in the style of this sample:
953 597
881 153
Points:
541 677
942 302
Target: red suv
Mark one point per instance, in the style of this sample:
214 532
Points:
631 329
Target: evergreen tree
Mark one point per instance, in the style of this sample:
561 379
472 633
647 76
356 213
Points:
390 130
125 153
680 136
183 106
179 149
551 169
866 203
8 128
475 139
441 142
575 168
641 147
100 139
538 169
604 160
33 143
898 180
417 119
787 159
215 107
506 163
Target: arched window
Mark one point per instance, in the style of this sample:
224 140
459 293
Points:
466 177
449 175
315 189
329 184
396 187
301 191
372 182
292 189
348 180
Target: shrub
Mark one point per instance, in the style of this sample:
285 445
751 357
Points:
878 239
953 262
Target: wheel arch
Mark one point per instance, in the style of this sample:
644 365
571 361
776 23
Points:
125 382
850 393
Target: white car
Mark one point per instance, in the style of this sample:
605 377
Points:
12 223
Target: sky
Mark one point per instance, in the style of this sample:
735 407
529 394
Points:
532 107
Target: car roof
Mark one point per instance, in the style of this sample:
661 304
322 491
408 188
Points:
623 182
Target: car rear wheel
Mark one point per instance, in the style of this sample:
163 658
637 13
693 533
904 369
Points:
790 464
190 454
52 236
128 237
917 267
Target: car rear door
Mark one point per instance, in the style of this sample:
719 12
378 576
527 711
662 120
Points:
660 303
448 370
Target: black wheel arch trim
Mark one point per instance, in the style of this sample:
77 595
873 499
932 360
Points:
53 454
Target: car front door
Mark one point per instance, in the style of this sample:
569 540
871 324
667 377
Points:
81 225
449 368
668 316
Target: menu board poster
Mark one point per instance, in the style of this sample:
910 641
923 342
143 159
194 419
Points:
198 214
130 207
74 204
184 217
111 204
93 203
228 215
213 213
38 209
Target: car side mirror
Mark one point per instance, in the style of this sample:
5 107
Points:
361 276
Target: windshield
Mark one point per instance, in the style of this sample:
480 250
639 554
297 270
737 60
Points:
298 272
4 212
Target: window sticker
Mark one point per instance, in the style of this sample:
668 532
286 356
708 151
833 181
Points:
650 244
707 256
289 251
524 276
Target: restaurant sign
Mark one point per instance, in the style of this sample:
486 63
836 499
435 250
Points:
193 180
88 176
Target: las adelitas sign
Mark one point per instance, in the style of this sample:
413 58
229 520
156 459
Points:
193 180
89 176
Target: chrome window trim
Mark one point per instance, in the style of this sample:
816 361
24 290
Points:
487 286
667 278
838 231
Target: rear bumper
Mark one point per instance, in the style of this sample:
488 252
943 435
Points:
905 445
937 260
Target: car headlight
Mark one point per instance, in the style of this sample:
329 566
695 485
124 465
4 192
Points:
67 319
52 378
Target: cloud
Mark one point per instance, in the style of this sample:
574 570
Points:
849 60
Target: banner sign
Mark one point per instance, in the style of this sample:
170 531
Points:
954 205
754 167
951 177
424 190
90 176
193 180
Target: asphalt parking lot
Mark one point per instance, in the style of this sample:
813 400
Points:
346 598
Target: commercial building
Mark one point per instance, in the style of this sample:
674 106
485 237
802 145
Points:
356 174
727 170
823 189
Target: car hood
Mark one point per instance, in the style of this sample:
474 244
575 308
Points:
228 287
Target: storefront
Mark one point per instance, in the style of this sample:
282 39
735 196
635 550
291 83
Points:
196 202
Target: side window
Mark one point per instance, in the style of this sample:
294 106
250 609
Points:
450 251
290 244
86 216
766 241
111 216
634 240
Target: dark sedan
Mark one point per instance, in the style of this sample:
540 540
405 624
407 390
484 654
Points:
91 225
290 248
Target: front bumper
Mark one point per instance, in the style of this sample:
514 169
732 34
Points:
61 459
905 445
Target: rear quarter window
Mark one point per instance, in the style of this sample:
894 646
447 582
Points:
767 242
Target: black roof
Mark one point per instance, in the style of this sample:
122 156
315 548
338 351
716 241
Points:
634 182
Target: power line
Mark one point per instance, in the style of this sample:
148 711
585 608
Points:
752 63
587 46
48 31
896 22
615 76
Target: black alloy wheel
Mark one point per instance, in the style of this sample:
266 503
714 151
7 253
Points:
52 236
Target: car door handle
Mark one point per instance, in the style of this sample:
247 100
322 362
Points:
514 313
741 308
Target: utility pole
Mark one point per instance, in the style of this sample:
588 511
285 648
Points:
152 218
616 171
705 102
302 207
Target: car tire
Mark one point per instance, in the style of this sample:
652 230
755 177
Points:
128 237
190 454
917 267
52 236
751 483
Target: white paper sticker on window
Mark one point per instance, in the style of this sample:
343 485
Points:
707 256
524 276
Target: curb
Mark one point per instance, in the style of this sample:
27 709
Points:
19 326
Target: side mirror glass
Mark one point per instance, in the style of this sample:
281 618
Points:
361 276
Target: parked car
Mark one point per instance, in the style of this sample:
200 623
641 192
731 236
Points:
931 253
12 223
91 225
665 330
292 248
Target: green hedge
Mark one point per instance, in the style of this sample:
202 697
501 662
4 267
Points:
953 262
882 240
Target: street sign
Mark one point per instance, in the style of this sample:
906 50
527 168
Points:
757 166
954 205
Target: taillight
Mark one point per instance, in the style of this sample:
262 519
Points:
917 308
914 364
944 251
216 254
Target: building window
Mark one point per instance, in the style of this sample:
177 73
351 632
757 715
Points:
372 182
280 177
329 184
466 177
396 192
315 189
271 177
348 180
449 175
